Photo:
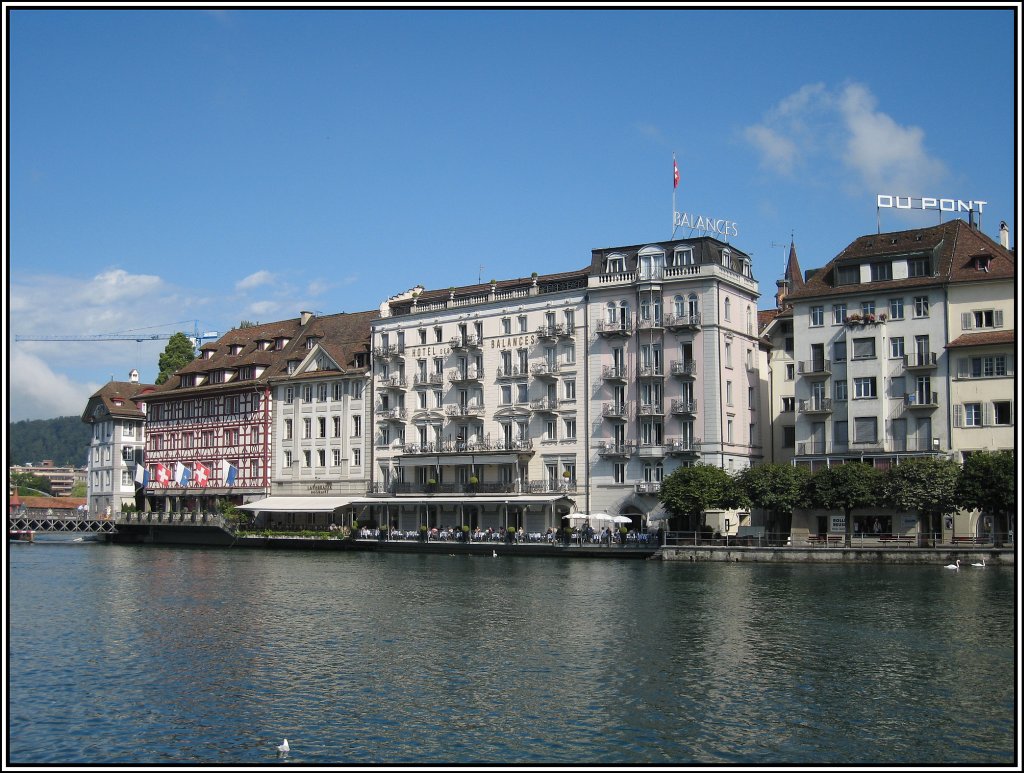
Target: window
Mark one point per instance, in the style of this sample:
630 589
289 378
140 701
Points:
321 426
438 398
522 393
683 256
321 392
289 395
287 429
864 388
550 430
357 426
988 318
728 354
619 472
972 414
817 316
321 458
570 429
728 393
840 391
863 348
287 458
422 334
866 308
788 404
919 267
307 459
728 310
921 306
357 457
336 426
307 393
307 428
338 390
728 431
790 371
881 272
839 351
570 389
438 334
896 349
522 323
1002 413
336 457
569 354
506 394
847 275
865 429
506 326
789 437
616 264
838 313
987 367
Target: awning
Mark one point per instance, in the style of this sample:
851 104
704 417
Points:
434 460
476 499
297 504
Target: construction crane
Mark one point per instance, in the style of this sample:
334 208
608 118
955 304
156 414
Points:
197 338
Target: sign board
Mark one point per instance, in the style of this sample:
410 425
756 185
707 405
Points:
885 201
837 523
705 224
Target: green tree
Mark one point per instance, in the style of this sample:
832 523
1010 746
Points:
79 489
926 486
178 353
988 482
689 491
30 485
775 488
843 488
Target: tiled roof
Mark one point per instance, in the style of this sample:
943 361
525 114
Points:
952 246
342 336
47 503
706 249
988 338
479 289
113 392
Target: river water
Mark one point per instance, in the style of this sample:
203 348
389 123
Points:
187 656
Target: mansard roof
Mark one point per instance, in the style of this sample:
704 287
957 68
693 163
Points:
953 247
118 400
342 336
706 250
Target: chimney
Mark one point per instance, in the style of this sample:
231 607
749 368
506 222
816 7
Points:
133 376
304 317
1004 235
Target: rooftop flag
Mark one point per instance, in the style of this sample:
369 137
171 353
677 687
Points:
201 474
232 474
675 174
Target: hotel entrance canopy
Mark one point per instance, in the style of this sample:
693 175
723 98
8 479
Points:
475 499
297 504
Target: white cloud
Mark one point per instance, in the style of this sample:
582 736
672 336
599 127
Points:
255 280
262 308
835 134
38 392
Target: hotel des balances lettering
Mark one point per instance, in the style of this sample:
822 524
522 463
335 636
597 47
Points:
513 403
904 347
270 415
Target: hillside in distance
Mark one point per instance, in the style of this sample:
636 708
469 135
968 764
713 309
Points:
65 440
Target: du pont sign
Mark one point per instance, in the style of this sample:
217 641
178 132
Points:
705 224
923 202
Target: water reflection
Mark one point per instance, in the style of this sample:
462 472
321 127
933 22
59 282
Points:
160 655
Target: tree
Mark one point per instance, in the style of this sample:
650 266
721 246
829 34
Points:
30 485
845 487
988 482
177 354
689 491
926 486
79 489
775 488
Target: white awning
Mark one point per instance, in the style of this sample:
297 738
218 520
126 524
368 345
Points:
434 460
476 499
297 504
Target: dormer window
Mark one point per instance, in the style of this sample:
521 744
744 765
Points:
188 380
208 354
235 349
616 264
280 343
727 258
217 377
919 267
263 344
311 342
361 360
847 275
292 365
981 263
246 372
882 271
683 256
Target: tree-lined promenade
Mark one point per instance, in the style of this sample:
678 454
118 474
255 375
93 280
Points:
931 487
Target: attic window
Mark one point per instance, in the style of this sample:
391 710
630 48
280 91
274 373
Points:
311 342
892 241
292 365
981 262
208 354
235 349
361 360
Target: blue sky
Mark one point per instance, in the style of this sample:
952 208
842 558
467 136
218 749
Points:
178 165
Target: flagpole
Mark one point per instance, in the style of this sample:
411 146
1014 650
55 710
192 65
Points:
674 183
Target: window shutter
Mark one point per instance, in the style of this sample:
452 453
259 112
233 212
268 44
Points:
965 320
997 318
987 414
963 367
958 415
1009 365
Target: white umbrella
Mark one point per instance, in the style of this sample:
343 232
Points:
600 517
622 519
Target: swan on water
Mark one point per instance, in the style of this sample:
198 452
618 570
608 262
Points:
494 554
954 566
982 564
283 748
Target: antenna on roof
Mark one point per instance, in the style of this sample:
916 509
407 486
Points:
480 276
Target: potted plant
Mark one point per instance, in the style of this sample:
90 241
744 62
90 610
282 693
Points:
465 533
623 531
853 319
474 481
431 484
510 534
423 533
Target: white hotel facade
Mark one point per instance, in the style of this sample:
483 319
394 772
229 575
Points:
516 402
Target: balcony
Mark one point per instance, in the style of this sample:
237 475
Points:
471 409
612 451
816 405
560 486
544 370
544 405
915 445
921 401
614 411
650 371
613 373
682 447
684 407
463 376
647 487
550 332
651 450
389 351
607 329
650 324
680 322
687 369
427 380
920 361
464 343
504 373
650 409
811 447
815 368
392 382
390 414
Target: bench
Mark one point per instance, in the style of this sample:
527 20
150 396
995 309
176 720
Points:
899 539
968 541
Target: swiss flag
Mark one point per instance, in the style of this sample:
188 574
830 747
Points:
163 475
200 474
675 174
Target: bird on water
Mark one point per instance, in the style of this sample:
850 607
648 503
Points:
954 566
283 748
982 564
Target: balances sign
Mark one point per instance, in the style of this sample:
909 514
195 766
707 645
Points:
705 224
924 202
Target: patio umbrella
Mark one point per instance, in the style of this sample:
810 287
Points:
622 519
